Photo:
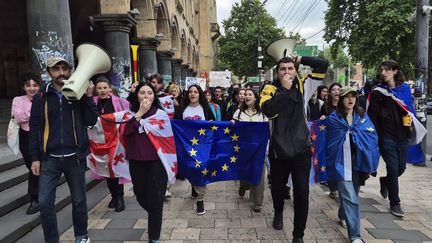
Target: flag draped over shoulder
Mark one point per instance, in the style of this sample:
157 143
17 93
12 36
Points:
338 156
402 96
318 137
220 151
159 131
107 152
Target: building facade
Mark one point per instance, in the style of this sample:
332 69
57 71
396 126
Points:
176 38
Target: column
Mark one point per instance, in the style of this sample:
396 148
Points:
50 34
191 72
184 70
147 62
164 65
176 70
117 28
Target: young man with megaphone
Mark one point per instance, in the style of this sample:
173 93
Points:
290 147
59 144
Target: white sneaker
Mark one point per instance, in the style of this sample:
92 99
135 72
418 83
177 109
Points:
167 194
82 240
343 223
357 241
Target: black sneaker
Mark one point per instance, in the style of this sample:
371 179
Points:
241 191
278 221
33 208
194 193
297 240
383 187
113 202
397 211
120 205
200 208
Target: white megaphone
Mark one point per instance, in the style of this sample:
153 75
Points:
281 48
92 59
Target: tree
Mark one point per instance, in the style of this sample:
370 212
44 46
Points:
373 30
341 60
238 46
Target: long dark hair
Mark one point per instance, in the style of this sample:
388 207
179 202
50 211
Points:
202 100
135 104
328 106
393 65
257 101
340 109
319 90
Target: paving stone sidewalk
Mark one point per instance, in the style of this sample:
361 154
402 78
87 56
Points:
229 217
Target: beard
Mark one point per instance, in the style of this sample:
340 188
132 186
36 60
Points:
60 79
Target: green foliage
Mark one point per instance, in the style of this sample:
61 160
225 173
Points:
373 31
238 46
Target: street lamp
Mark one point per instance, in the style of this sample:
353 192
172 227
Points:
260 57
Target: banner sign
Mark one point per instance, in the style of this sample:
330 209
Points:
220 78
199 81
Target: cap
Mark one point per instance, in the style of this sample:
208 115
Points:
52 61
345 90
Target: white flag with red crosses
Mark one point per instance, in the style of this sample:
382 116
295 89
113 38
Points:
160 134
107 152
167 104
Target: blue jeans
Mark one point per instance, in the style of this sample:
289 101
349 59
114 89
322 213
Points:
395 154
51 170
349 209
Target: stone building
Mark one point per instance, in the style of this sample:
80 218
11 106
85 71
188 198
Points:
176 38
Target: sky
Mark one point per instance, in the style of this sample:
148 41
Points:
308 17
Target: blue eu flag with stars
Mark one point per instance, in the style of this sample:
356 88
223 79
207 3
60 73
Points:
220 151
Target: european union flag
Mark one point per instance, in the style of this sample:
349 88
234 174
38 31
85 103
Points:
318 139
220 151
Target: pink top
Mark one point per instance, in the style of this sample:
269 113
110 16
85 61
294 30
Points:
21 106
119 104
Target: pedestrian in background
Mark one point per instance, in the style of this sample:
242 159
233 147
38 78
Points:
250 111
328 107
21 106
107 103
215 108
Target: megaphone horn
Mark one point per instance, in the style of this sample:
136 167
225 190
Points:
92 59
281 48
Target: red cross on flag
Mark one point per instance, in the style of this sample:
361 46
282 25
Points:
107 152
167 104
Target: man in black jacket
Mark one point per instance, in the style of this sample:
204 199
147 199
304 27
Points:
59 144
290 148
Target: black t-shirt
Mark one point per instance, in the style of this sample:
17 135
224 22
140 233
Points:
105 106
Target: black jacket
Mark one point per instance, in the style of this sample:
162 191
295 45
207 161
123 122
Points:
67 125
290 134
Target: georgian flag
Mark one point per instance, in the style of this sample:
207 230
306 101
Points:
419 130
107 152
167 104
160 134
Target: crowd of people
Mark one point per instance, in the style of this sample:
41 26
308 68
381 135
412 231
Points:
54 140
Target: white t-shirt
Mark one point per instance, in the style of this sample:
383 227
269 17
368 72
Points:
194 113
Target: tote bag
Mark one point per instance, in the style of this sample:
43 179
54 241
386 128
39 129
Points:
12 136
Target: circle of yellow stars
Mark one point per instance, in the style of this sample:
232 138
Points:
225 166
